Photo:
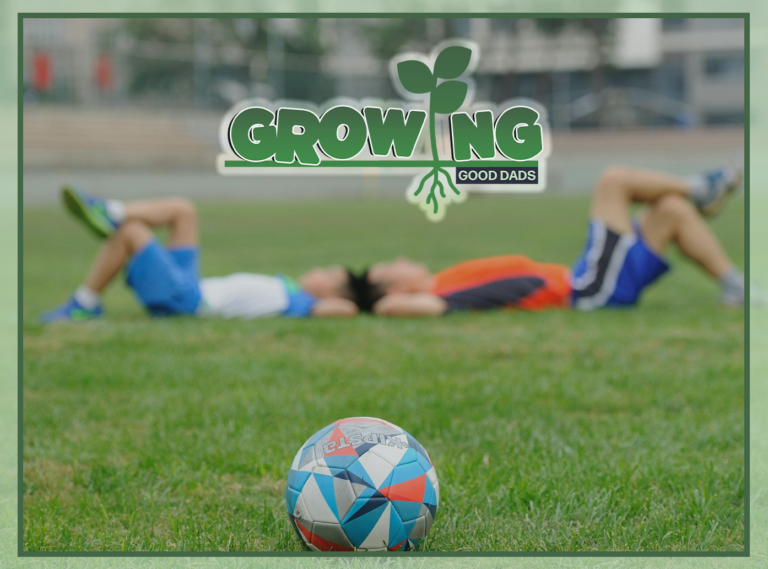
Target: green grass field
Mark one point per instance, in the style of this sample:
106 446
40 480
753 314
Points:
559 431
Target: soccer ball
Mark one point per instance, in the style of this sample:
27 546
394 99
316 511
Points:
362 484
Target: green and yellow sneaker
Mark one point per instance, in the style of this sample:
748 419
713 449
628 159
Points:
91 211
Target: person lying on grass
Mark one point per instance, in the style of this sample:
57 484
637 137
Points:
165 277
623 255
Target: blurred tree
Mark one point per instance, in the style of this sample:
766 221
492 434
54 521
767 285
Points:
389 37
251 36
602 31
152 70
304 78
161 58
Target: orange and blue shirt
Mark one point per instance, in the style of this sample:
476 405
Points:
506 282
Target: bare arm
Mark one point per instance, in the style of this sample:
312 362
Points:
334 307
418 304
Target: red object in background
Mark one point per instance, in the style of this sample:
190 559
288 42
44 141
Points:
104 73
42 71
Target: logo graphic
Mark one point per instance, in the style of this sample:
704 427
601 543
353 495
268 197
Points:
357 439
492 149
416 77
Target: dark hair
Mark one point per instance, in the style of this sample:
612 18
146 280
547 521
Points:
364 294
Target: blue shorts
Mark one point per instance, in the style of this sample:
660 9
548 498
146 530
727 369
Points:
165 281
613 269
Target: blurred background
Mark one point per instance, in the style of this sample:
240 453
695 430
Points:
131 107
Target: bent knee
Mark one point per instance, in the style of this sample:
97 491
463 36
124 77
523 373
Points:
613 177
675 206
133 232
184 207
131 227
611 200
612 186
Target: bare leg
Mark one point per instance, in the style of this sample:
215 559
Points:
130 237
179 214
133 232
618 188
674 219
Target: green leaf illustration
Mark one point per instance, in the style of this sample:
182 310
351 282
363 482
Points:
448 97
415 76
452 62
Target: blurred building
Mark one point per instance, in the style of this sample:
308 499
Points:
588 72
61 59
637 71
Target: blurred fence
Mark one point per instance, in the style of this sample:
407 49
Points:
614 73
140 153
131 107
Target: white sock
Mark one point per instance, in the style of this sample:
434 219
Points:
698 187
732 283
115 211
87 298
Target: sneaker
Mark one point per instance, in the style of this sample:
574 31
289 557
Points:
732 299
91 211
757 297
721 185
70 311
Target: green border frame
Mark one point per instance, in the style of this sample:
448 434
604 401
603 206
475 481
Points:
747 292
397 163
384 15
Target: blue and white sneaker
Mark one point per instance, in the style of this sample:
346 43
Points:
70 311
721 186
91 211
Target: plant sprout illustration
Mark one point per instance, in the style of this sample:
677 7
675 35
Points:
445 98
